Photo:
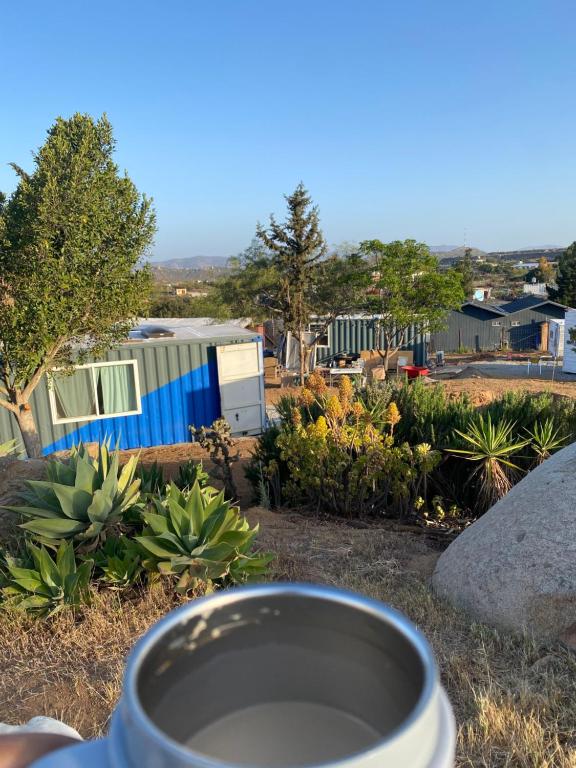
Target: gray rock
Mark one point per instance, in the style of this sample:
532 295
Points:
515 568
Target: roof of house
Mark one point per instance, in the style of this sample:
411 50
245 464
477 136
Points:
485 306
529 302
189 328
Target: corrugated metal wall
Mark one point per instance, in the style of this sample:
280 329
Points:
178 387
483 331
352 334
473 329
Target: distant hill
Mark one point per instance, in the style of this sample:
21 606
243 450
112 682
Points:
189 269
542 248
192 262
552 253
442 248
458 253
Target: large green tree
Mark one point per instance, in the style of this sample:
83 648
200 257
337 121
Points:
287 273
72 236
409 294
566 278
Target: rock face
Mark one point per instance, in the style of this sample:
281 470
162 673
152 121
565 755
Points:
515 568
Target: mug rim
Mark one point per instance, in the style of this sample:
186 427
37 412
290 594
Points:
381 611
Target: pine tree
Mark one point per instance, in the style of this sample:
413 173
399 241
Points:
296 246
567 276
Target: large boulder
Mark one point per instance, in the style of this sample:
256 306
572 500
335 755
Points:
515 568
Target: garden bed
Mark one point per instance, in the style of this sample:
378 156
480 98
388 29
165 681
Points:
514 701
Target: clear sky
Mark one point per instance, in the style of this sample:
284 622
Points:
404 118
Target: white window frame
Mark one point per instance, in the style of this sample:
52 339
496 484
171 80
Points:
515 324
96 416
496 324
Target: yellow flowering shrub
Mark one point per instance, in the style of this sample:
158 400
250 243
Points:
337 452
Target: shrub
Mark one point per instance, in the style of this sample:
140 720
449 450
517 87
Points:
346 461
83 498
266 470
196 536
43 585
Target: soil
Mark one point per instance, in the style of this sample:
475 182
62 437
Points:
483 390
170 457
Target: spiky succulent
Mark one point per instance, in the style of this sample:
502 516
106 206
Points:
190 472
43 585
82 499
151 478
196 536
117 563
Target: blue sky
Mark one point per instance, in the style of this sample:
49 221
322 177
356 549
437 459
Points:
412 118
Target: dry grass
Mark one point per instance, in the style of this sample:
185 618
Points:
515 701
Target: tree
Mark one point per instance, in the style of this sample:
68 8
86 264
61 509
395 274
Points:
566 279
285 273
409 294
465 269
543 273
71 280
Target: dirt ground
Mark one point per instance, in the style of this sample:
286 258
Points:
480 389
170 457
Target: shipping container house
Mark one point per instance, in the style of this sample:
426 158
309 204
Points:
519 325
348 333
168 375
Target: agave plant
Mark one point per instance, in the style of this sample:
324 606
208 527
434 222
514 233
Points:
82 499
491 446
544 439
117 563
151 478
197 536
191 472
44 586
8 448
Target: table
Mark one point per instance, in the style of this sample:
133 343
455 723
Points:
335 372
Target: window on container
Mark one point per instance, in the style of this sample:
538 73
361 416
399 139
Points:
95 391
515 323
496 323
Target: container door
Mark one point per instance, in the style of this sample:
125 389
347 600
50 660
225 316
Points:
241 379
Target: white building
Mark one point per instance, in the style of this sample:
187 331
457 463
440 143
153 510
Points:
569 346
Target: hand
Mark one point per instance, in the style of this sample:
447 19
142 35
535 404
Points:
19 750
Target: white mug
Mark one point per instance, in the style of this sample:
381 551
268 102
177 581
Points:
277 676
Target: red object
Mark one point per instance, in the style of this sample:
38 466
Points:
413 371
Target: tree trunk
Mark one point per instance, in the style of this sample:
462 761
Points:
386 360
30 436
303 360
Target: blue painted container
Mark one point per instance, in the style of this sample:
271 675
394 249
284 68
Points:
168 384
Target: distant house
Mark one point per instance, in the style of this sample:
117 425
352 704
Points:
536 289
520 325
176 291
